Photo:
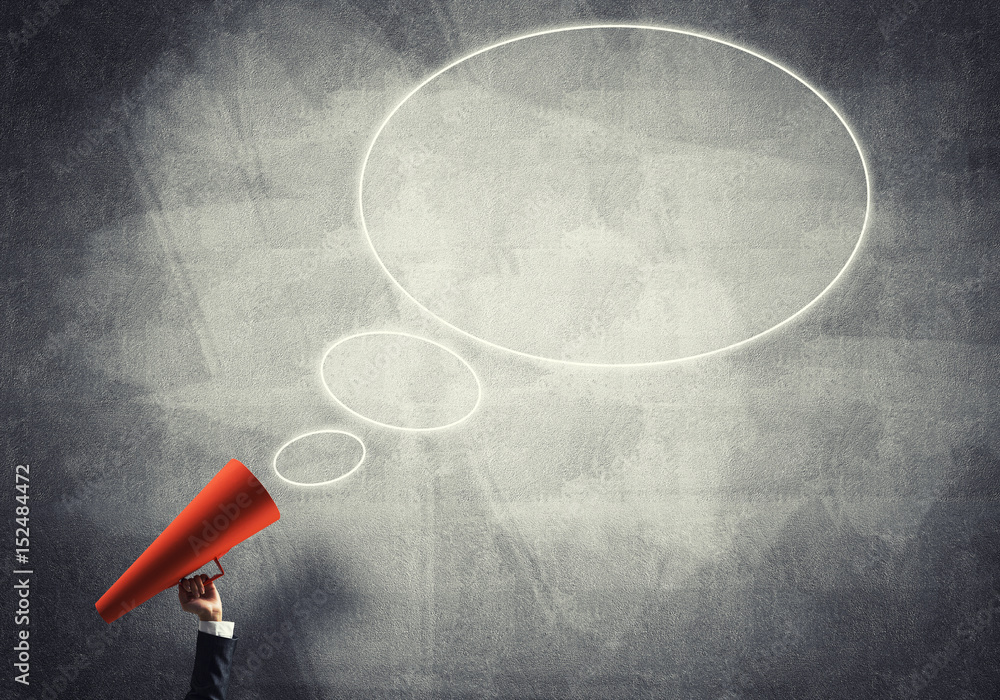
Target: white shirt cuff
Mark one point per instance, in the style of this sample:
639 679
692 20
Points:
223 628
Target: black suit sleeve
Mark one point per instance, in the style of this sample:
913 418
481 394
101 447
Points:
212 660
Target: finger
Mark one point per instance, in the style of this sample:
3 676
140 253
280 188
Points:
200 586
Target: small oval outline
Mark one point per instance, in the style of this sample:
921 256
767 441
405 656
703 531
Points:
364 452
625 365
475 377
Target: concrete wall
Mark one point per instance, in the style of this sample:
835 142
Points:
810 514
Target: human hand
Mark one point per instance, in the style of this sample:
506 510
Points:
199 595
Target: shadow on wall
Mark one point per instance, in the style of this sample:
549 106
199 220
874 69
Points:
829 608
822 610
305 613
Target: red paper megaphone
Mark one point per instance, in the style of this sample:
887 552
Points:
232 507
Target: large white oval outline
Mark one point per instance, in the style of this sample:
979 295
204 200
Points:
654 363
475 377
364 452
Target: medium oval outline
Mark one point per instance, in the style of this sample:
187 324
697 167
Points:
475 377
364 452
653 363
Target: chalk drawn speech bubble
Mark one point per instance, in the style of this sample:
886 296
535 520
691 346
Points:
615 195
400 381
323 457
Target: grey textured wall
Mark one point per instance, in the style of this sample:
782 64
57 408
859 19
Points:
812 514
